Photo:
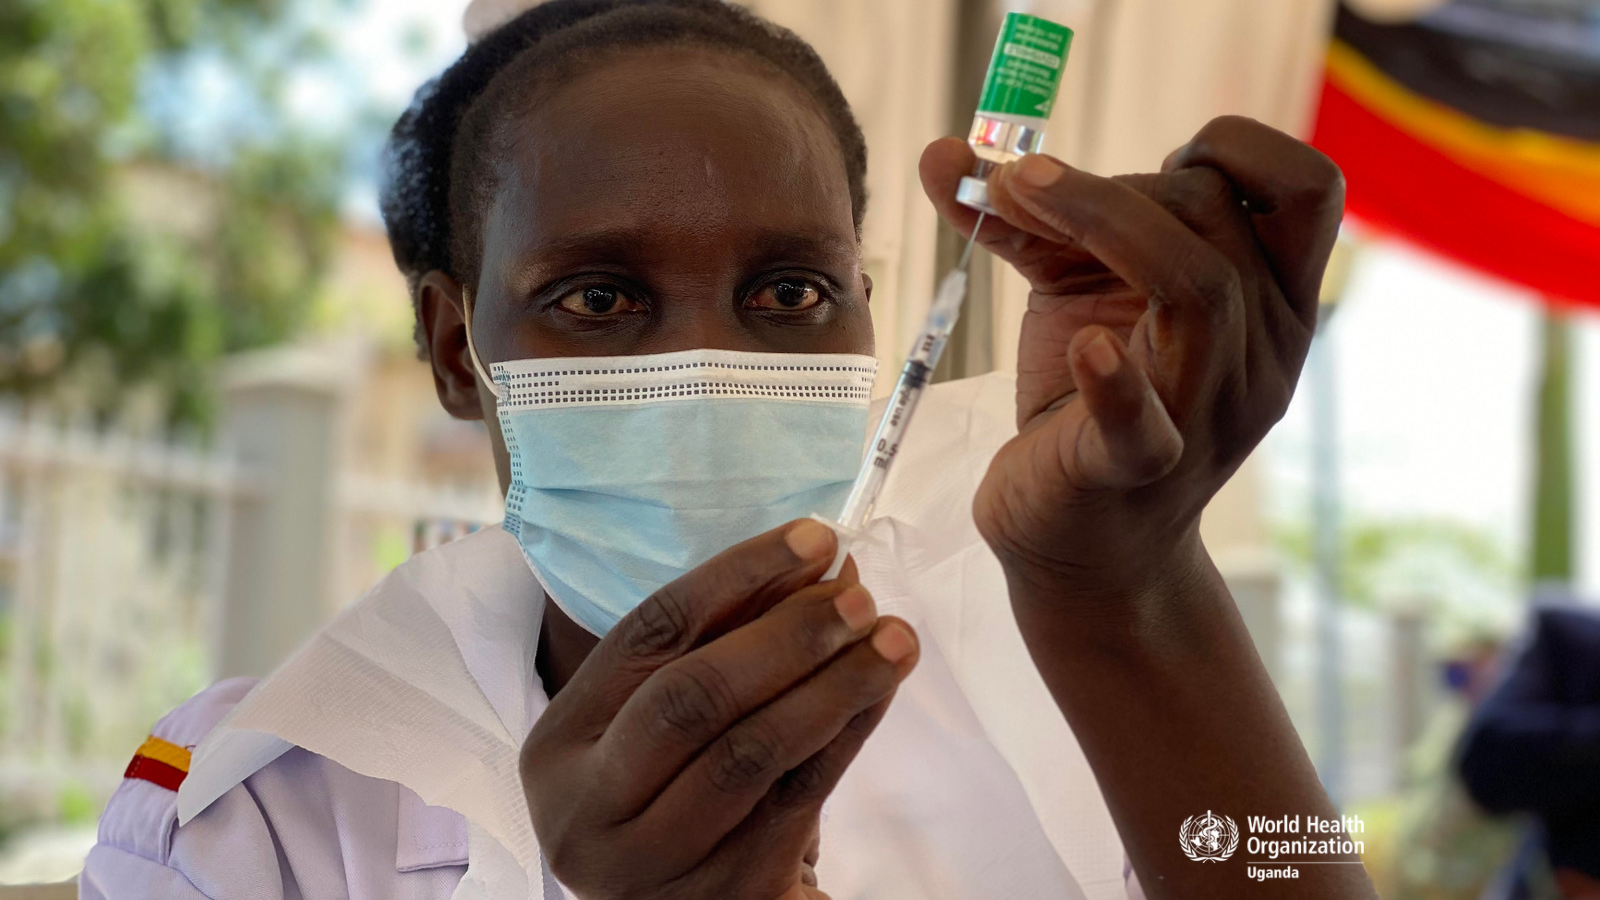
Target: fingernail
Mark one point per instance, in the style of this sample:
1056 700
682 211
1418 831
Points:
856 608
1039 171
894 642
1101 356
810 540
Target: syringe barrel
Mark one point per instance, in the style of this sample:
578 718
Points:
914 378
886 441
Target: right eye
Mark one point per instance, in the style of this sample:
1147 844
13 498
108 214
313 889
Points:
598 302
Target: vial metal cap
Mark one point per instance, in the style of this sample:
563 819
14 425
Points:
974 192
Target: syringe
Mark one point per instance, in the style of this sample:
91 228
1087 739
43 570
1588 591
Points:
1019 91
908 390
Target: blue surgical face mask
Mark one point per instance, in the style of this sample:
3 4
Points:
628 471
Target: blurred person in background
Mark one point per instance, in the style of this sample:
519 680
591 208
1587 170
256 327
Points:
1449 848
1533 747
639 186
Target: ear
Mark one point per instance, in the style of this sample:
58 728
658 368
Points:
442 314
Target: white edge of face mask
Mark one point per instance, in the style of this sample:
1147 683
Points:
550 596
472 350
758 364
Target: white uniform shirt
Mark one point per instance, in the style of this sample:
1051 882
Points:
317 783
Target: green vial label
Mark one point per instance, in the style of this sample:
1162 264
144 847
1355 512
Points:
1025 71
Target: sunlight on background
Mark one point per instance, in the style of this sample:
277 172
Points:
1438 371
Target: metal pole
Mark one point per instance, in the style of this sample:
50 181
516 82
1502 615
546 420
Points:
1326 533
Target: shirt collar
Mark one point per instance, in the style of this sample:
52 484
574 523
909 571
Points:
427 681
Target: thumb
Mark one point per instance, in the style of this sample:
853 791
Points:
1023 193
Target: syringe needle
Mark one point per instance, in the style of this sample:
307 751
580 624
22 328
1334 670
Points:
966 255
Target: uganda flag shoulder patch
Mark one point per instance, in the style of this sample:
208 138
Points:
159 762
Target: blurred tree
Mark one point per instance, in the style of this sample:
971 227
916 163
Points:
1413 558
94 303
1553 488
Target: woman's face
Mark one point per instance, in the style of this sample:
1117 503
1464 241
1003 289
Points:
664 199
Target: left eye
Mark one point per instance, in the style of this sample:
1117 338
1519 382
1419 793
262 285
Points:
788 294
600 302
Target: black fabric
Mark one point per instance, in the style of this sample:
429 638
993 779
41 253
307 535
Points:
1524 66
1534 744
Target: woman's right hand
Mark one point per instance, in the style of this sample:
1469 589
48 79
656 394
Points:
690 754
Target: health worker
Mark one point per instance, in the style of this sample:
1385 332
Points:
632 235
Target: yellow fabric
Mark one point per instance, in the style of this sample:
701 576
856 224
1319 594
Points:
166 752
1559 172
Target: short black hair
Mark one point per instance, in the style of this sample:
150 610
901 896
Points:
436 170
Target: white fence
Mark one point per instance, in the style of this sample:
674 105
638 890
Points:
135 570
111 550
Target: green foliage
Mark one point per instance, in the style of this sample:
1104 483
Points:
76 804
97 302
1436 560
262 277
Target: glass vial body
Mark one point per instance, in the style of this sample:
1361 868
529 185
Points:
1021 86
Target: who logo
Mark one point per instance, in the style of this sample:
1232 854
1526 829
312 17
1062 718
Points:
1208 838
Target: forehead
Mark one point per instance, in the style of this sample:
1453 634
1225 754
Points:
671 140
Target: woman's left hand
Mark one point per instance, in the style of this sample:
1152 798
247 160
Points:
1169 318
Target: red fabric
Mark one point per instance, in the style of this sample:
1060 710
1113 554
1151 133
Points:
1401 185
156 772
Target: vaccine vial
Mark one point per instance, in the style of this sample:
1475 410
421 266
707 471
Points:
1024 76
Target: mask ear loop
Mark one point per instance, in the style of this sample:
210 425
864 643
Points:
472 349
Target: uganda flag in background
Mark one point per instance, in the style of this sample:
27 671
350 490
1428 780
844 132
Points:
1474 131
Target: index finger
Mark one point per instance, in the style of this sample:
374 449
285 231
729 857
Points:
1294 193
733 587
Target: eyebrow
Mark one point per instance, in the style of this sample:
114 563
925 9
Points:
610 243
777 243
629 245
